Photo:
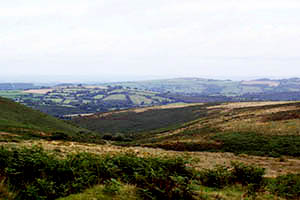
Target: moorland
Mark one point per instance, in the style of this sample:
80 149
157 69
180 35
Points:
240 150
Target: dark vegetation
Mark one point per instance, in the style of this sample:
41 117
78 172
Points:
257 144
37 174
238 143
222 176
132 124
287 186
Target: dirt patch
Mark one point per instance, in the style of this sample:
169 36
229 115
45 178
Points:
249 104
38 91
95 87
7 134
268 83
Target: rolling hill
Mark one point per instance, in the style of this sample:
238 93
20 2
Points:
215 87
256 128
20 122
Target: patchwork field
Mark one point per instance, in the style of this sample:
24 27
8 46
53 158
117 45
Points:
78 99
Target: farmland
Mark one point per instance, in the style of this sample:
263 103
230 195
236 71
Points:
78 99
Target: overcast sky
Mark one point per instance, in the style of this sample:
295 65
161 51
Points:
156 38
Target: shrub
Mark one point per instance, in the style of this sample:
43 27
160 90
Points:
112 186
222 176
247 174
287 186
41 175
217 178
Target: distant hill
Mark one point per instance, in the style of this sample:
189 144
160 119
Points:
215 87
68 99
17 86
22 122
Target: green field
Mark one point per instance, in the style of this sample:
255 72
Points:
139 100
85 99
11 93
119 97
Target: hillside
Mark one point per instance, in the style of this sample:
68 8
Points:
256 128
20 122
133 122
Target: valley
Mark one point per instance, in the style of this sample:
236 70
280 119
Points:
200 140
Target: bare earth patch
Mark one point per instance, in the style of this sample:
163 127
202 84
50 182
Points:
269 83
7 134
38 91
249 104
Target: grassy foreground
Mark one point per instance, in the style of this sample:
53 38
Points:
33 173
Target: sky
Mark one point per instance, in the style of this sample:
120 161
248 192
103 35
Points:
132 39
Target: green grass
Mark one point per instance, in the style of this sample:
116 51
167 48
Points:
120 97
127 192
11 93
99 96
57 100
138 100
17 118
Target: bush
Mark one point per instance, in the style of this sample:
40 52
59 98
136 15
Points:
223 176
287 186
41 175
217 178
247 174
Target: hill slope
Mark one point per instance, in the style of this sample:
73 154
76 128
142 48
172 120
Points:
148 120
256 128
22 121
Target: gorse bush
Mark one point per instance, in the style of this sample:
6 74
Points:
36 174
